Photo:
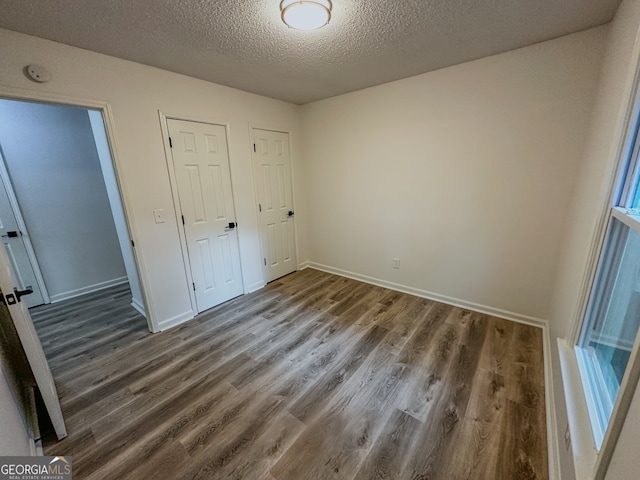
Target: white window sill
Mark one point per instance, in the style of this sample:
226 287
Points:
630 217
583 446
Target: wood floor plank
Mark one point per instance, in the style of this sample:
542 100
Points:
388 457
145 395
521 435
458 354
144 445
358 413
146 427
168 348
267 449
314 399
315 376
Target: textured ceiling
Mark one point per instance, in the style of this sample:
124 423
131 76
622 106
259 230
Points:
244 44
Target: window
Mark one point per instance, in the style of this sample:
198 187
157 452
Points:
610 329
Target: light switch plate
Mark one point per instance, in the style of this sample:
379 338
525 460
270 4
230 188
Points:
158 214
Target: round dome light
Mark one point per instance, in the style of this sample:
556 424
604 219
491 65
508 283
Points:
306 14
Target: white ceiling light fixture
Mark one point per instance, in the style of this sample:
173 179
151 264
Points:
306 14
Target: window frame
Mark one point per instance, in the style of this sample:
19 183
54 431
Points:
599 402
625 173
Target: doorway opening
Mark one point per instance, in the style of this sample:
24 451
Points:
62 221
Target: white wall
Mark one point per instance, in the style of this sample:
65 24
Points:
135 93
14 439
589 205
589 202
624 464
54 168
117 211
465 174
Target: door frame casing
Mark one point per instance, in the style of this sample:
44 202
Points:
164 117
22 226
104 108
254 126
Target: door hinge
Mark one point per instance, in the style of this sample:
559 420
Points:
133 244
259 207
194 287
265 262
182 219
170 143
254 147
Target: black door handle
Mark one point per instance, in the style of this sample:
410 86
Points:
231 225
291 213
21 293
13 298
11 234
8 299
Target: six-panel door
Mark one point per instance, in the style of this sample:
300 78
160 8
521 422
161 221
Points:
272 170
201 162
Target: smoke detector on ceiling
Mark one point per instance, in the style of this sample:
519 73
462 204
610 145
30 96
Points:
37 73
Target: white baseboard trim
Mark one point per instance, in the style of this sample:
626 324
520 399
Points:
254 287
59 297
175 321
135 303
552 439
456 302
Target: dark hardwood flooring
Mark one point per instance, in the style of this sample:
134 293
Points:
313 377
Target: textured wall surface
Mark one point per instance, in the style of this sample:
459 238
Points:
244 44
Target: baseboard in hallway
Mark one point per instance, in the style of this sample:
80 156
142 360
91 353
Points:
60 297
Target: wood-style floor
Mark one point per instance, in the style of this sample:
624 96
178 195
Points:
313 377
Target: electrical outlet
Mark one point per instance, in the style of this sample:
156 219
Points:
567 437
396 263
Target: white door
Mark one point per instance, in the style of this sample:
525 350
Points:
13 239
201 163
272 169
31 344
